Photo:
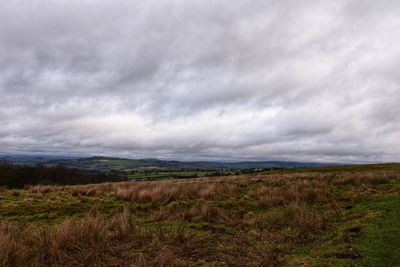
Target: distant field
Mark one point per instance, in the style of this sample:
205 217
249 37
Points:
336 216
159 175
348 168
168 174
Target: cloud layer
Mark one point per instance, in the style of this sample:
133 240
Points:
201 79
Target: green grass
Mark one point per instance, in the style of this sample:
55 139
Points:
380 241
373 232
368 234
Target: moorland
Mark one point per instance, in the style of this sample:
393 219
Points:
327 216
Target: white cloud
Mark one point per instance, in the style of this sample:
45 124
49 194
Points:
294 80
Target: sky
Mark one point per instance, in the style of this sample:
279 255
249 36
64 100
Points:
296 80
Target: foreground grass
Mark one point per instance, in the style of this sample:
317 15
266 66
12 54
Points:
346 218
381 239
374 235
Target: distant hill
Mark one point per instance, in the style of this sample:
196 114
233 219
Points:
257 164
31 160
121 164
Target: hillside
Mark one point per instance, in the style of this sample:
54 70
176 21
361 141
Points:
334 217
123 164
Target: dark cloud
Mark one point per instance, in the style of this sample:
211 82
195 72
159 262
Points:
293 80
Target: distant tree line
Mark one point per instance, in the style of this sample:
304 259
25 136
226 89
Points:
17 176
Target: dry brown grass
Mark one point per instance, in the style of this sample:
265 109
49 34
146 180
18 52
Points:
201 211
259 210
84 242
85 190
9 245
172 190
374 178
77 190
41 189
301 191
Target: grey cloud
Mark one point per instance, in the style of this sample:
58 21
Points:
294 80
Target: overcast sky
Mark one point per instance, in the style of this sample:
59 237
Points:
202 79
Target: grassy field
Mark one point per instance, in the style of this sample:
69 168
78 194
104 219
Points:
167 174
340 216
162 175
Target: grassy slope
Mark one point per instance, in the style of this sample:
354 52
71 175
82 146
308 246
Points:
369 234
235 225
380 241
347 168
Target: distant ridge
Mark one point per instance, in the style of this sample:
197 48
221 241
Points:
102 163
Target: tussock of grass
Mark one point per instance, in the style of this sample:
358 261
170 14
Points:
82 242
